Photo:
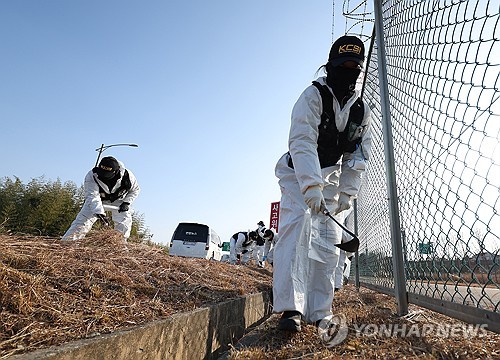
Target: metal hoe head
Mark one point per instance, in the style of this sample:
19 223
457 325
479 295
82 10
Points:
349 246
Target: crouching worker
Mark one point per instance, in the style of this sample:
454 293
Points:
329 144
240 244
110 183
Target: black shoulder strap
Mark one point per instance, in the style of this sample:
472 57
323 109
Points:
327 101
126 183
326 115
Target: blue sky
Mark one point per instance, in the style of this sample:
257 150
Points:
204 88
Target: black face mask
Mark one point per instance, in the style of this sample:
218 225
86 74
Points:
342 79
110 178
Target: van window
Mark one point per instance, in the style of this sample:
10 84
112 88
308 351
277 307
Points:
191 232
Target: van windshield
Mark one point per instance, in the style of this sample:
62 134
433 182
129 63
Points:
191 233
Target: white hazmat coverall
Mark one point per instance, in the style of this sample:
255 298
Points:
258 254
343 269
344 266
236 246
269 249
247 252
305 257
94 205
259 250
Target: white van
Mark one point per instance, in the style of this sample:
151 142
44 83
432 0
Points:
196 240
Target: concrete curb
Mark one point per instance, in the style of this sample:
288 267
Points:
253 336
204 333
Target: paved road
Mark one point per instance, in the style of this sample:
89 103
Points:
484 298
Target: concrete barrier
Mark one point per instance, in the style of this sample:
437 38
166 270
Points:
204 333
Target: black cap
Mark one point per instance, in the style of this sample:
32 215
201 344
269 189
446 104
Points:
107 167
347 48
261 223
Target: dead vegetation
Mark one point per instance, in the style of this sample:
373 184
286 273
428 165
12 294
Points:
378 312
52 292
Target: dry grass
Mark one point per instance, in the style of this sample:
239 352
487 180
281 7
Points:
363 308
52 292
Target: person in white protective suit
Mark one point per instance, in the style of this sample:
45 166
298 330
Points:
240 245
259 247
108 185
261 227
258 251
269 238
270 252
329 143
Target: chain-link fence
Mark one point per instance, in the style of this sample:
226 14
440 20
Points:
442 64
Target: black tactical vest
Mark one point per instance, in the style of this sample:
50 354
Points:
331 142
235 236
260 241
124 188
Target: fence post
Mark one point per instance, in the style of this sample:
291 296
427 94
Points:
397 252
356 254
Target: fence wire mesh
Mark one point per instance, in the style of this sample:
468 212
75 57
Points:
443 62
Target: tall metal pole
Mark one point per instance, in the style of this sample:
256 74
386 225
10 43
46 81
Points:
397 248
101 149
356 254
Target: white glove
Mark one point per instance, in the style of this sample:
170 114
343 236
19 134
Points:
314 199
344 203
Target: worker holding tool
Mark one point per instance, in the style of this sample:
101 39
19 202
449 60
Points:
108 185
329 144
240 246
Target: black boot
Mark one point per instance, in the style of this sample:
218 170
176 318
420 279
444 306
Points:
290 321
